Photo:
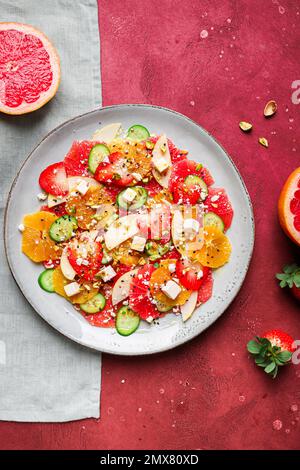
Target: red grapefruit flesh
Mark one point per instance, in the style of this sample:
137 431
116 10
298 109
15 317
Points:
289 206
29 69
218 202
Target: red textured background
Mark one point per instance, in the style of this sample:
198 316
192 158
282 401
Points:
205 394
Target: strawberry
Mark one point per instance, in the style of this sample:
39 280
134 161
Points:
272 350
291 278
53 180
139 295
114 172
217 201
85 256
191 275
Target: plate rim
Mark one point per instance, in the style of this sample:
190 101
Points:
39 311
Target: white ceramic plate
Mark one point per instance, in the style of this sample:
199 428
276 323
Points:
171 331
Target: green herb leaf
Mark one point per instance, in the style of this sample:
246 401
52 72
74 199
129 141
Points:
270 367
253 347
284 356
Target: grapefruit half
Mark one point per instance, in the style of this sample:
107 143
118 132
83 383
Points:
289 206
29 69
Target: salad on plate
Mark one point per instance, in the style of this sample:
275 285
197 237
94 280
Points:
129 229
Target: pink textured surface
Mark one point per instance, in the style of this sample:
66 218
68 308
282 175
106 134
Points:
206 394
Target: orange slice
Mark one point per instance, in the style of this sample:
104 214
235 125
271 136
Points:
59 281
137 160
289 206
121 254
36 243
216 249
159 277
83 207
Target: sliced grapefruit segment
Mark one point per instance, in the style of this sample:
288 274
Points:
289 206
29 69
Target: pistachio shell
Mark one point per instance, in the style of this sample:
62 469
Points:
245 126
270 108
263 142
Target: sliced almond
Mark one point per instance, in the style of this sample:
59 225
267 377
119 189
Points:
245 126
263 141
270 108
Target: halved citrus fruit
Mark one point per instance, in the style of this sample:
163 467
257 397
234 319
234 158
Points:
29 69
36 243
160 277
216 249
289 206
59 281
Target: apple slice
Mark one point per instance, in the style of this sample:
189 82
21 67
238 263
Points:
186 247
107 133
66 267
55 200
74 181
121 230
122 286
188 308
161 150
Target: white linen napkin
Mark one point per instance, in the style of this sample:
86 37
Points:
44 376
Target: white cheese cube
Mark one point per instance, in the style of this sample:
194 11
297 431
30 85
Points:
191 228
42 196
161 164
172 267
82 187
138 243
72 289
171 289
129 195
107 273
21 227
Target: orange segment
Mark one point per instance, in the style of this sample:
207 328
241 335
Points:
122 254
59 281
36 243
159 277
82 207
137 160
216 249
289 206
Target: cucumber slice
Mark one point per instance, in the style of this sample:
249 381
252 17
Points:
139 200
127 321
94 305
63 228
155 250
97 155
195 180
161 307
213 220
138 132
45 280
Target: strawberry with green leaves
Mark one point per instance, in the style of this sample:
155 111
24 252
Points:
291 278
272 350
